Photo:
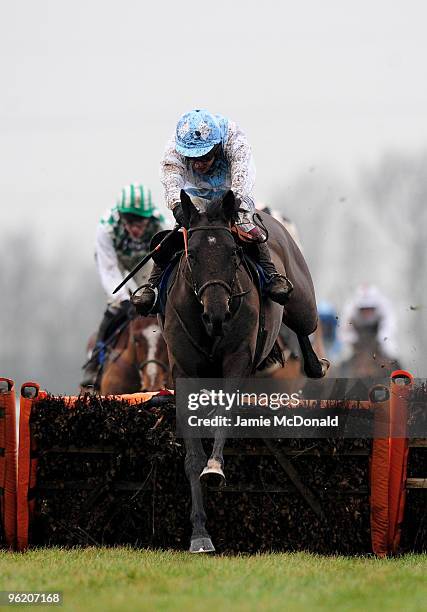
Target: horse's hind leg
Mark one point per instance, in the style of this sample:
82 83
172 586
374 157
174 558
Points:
313 366
195 460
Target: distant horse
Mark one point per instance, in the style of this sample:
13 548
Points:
137 361
211 321
368 358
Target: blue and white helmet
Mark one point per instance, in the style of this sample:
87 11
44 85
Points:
197 133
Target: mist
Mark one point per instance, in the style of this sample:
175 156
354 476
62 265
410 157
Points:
329 95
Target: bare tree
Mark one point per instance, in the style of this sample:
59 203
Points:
372 232
48 310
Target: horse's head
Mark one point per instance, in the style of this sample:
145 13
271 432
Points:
151 357
213 258
139 360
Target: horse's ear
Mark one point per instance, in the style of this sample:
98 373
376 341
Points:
188 208
229 206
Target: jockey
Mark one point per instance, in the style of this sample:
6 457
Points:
369 311
122 238
329 322
207 156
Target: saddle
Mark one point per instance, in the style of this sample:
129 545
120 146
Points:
167 258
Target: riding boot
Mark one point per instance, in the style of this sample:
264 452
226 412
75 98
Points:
279 287
91 368
145 301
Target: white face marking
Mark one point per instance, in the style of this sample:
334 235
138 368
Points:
152 335
211 240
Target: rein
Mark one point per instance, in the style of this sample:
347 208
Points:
158 362
199 291
109 341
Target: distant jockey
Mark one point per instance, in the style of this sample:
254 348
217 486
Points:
208 155
369 311
122 239
329 322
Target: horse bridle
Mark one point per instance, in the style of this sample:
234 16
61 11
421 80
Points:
198 291
158 362
145 362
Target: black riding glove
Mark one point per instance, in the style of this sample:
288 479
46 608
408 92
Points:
178 213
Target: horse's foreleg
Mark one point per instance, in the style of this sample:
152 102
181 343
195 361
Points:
313 366
195 460
214 468
237 365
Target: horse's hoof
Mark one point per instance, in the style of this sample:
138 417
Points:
201 545
326 364
317 370
214 471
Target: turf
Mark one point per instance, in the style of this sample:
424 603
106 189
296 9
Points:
127 579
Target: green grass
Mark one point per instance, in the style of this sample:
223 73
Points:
126 579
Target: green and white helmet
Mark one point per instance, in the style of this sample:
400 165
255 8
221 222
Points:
135 199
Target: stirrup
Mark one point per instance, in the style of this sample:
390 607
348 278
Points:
147 286
144 302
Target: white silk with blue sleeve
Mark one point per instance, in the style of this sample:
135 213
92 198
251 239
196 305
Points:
233 169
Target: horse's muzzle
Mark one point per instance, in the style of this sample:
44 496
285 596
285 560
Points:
215 324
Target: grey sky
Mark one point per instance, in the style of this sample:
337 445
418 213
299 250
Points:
92 89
